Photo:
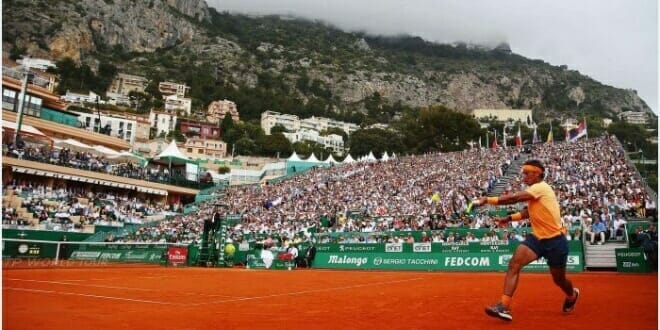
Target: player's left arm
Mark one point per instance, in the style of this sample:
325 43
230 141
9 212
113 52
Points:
522 214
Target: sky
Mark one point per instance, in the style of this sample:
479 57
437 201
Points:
614 42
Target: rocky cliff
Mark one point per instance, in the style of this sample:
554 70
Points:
349 66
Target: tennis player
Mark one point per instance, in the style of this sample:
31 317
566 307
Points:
547 240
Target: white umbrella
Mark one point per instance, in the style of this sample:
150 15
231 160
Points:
72 144
104 151
127 156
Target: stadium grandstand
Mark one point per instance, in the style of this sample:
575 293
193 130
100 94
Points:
411 199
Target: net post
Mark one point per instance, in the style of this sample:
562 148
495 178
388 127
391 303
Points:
57 253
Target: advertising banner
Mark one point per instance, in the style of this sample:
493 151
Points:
476 256
177 256
631 260
121 255
432 261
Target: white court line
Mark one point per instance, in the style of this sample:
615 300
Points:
296 293
120 288
93 296
112 278
198 304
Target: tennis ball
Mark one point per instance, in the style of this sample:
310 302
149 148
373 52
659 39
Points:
230 249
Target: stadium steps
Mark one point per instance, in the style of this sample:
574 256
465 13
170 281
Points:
602 256
511 173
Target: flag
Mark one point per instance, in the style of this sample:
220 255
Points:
549 140
519 138
535 138
494 145
579 132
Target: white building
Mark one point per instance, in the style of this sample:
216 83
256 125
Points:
332 141
123 128
162 121
271 118
292 123
77 97
634 117
176 104
503 115
37 63
321 124
118 99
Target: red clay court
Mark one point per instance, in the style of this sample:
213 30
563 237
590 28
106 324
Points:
152 297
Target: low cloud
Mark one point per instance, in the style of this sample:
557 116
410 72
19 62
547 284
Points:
614 42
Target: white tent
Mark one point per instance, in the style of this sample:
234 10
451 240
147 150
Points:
331 160
371 157
348 159
385 157
171 156
294 157
312 158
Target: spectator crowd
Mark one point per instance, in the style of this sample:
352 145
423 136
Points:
593 179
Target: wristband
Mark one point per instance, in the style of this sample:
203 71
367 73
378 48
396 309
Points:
516 216
492 200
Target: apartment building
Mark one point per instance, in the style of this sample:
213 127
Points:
217 111
176 104
320 124
126 83
200 148
162 122
271 118
116 125
202 129
171 88
332 141
503 115
634 117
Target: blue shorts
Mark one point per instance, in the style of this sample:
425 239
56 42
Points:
554 250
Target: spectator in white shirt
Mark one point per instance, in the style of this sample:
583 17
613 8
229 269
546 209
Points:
618 227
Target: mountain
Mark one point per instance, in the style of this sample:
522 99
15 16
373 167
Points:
299 66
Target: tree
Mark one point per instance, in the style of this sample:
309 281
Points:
335 130
439 129
375 140
226 125
141 101
106 74
275 143
278 129
246 146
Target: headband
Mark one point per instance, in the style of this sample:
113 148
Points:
532 168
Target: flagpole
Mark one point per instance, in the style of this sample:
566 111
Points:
586 131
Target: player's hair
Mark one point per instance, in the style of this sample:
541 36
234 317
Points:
536 163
